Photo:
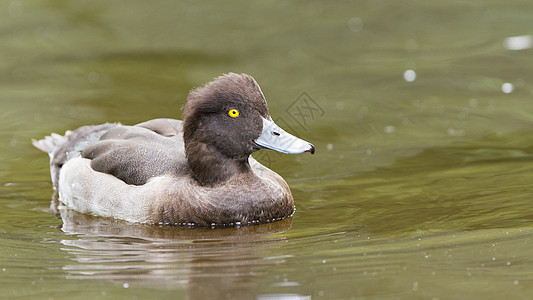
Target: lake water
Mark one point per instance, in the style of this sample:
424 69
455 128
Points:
421 113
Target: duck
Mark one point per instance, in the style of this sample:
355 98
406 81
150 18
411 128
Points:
195 172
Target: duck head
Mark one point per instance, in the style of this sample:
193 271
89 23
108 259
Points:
227 120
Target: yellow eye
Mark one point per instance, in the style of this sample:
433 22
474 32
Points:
233 113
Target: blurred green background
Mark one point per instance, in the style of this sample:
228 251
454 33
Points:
420 111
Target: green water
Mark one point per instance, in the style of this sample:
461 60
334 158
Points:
418 190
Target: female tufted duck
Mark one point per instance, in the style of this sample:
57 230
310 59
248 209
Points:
164 171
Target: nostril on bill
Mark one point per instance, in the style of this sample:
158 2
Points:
275 133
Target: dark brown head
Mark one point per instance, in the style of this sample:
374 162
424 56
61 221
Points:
223 123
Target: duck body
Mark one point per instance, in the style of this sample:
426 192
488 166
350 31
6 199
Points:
193 172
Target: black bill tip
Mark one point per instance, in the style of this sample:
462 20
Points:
311 150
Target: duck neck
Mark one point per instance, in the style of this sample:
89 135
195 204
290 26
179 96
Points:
210 167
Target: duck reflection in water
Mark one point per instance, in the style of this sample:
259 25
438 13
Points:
206 263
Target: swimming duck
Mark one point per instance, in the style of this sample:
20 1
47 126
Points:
192 172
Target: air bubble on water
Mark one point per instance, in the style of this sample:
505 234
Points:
409 75
93 77
456 132
521 42
355 24
507 88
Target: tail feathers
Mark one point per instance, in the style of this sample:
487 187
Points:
52 144
55 143
49 143
58 147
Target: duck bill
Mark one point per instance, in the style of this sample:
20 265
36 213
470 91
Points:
274 138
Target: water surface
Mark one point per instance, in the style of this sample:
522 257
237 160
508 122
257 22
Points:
421 114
